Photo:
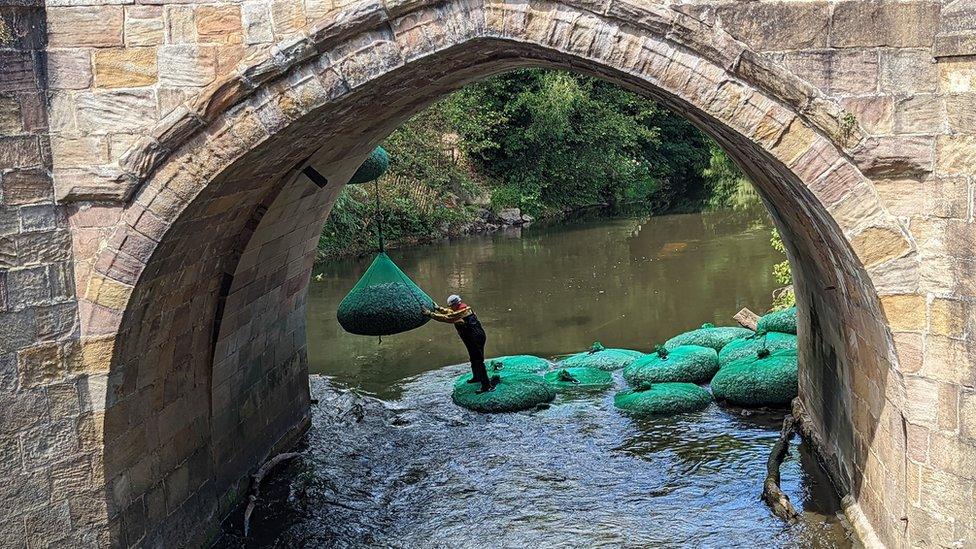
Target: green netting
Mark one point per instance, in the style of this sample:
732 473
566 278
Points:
761 380
384 301
741 348
513 392
601 357
517 363
374 166
708 336
780 321
686 363
579 379
662 399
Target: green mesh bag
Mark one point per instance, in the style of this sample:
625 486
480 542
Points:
780 321
374 166
513 392
517 363
579 379
662 399
741 348
601 357
759 380
685 363
384 302
708 336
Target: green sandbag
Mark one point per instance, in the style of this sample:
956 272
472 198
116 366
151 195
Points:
685 363
662 399
517 363
708 336
384 302
601 357
780 321
759 380
513 392
579 379
741 348
374 166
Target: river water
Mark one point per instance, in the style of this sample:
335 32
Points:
390 461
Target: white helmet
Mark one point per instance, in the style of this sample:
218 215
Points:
453 299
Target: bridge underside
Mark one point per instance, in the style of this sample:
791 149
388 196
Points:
163 356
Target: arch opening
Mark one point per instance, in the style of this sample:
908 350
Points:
209 371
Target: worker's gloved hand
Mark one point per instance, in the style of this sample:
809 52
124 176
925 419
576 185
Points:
426 311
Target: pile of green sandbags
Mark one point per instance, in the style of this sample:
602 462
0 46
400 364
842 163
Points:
742 348
662 399
708 336
762 379
517 363
513 392
601 357
579 379
372 168
384 302
684 363
779 321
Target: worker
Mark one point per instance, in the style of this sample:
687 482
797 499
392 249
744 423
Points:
472 334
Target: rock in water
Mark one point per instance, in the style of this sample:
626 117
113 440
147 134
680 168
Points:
384 302
762 379
374 166
685 363
662 399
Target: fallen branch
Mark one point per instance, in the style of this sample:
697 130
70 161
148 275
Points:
772 494
747 319
256 485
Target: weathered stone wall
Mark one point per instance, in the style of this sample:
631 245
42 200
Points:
175 133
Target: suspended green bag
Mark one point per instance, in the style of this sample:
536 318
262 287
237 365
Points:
780 321
662 399
708 336
601 357
763 379
384 302
685 363
579 379
374 166
513 392
741 348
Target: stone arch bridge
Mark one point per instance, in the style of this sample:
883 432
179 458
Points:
156 233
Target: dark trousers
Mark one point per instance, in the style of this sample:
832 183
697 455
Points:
474 339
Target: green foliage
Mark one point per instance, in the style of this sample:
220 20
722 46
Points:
727 186
785 297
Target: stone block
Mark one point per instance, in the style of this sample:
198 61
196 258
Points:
17 68
144 26
955 154
908 71
839 72
946 197
776 26
69 152
905 313
187 65
180 27
957 75
877 245
69 69
895 157
921 401
961 111
88 26
256 20
11 121
948 317
921 114
219 24
287 17
27 187
19 152
948 360
125 67
39 365
41 217
108 293
861 23
116 110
